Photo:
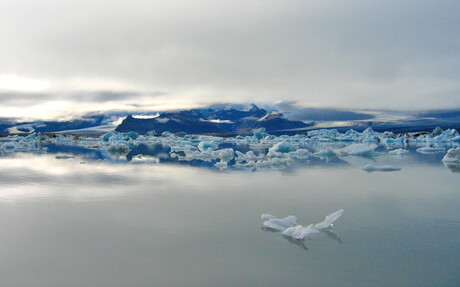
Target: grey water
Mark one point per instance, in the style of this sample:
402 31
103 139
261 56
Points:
69 221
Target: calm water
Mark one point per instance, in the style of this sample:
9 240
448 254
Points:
77 222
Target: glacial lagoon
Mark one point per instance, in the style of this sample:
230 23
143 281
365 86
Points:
162 211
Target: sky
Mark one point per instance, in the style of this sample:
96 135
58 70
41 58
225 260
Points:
66 58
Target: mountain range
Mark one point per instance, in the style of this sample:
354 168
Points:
285 118
199 121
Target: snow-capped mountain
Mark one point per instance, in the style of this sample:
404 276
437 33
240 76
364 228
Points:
242 119
211 121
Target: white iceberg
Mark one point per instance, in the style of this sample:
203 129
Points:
358 149
398 151
300 154
277 224
299 232
330 219
452 156
221 165
207 145
248 157
259 133
281 148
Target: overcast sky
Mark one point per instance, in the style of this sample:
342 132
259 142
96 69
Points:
68 57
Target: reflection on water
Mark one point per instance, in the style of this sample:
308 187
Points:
146 221
452 166
302 243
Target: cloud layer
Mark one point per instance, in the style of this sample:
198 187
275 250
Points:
354 54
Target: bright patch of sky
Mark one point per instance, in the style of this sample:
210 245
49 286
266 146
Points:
15 83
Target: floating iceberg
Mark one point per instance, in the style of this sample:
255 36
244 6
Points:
207 145
248 157
358 149
221 165
276 224
259 133
398 151
280 149
121 147
452 156
329 220
371 168
258 151
299 232
300 154
290 228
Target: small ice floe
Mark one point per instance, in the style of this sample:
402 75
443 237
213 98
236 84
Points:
430 150
221 165
276 224
371 168
289 227
299 232
452 156
452 159
280 149
358 149
399 151
119 147
329 220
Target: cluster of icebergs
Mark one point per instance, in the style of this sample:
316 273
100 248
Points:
288 226
258 151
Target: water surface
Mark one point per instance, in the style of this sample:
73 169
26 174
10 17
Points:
80 222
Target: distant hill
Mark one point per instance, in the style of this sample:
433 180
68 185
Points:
242 119
201 121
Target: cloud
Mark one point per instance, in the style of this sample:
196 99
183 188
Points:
293 112
35 98
353 54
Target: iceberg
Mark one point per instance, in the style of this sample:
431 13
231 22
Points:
398 151
289 227
299 232
330 219
276 224
452 156
371 168
248 157
281 148
358 149
300 154
119 147
221 165
259 133
207 145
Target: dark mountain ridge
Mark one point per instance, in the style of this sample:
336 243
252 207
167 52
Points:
211 121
